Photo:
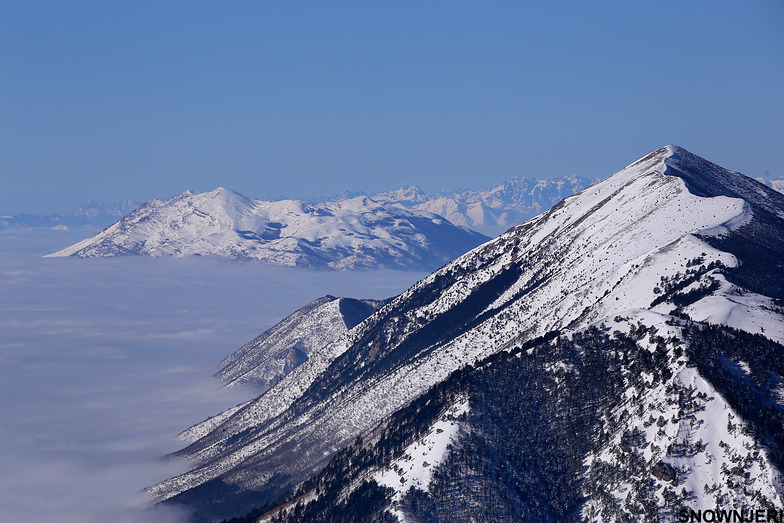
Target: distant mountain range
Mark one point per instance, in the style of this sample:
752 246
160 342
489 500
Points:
357 233
400 229
91 213
617 358
492 210
489 211
775 184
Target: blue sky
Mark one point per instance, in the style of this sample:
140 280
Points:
117 100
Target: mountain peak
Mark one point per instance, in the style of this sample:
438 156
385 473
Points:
266 359
674 149
405 194
223 194
704 178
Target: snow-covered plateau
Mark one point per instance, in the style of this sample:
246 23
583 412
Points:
616 358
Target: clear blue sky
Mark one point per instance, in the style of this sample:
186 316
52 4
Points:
113 100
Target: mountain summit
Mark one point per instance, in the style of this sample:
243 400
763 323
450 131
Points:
357 233
615 358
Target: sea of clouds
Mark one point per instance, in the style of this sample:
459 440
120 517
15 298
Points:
104 361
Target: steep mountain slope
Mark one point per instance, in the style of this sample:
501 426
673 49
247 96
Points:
599 429
493 210
670 237
263 361
350 234
266 359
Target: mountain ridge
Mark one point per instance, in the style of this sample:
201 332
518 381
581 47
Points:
638 251
263 361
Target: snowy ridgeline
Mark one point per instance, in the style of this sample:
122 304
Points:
588 313
777 184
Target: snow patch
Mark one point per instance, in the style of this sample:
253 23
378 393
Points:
415 468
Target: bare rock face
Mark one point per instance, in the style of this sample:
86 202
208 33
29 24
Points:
665 472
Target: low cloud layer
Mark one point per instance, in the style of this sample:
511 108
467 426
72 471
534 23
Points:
103 362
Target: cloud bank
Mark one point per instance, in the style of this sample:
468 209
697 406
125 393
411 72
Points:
103 362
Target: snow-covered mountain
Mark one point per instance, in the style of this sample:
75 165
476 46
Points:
266 359
492 210
615 358
357 233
